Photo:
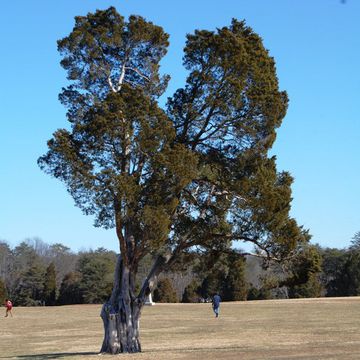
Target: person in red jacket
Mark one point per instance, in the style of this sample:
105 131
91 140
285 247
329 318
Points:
8 305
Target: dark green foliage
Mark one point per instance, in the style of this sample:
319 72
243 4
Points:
333 266
304 270
344 275
355 242
254 293
64 260
311 289
264 291
110 129
298 276
211 269
6 261
3 291
306 281
144 267
236 287
31 277
27 277
352 271
30 285
49 294
227 113
340 270
214 283
165 292
200 169
98 47
222 273
194 176
70 291
96 269
191 293
24 256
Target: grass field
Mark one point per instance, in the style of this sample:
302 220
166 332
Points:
274 329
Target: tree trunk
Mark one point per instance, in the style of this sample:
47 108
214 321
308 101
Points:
121 315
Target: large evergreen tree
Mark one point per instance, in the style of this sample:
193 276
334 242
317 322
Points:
165 292
191 292
334 277
6 260
49 292
236 288
3 291
302 277
96 269
194 176
30 285
70 289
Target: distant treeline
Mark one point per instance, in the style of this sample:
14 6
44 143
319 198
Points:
36 273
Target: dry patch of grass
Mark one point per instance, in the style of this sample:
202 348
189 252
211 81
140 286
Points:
303 329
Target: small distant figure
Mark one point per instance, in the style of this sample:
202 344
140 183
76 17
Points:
9 306
216 304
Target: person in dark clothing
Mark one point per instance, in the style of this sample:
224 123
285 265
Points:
216 304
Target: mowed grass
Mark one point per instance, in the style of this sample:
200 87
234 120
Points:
275 329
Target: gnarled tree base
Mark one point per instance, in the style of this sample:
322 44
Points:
121 314
121 330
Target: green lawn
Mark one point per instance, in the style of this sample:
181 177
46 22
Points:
276 329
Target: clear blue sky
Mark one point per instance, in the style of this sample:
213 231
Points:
316 46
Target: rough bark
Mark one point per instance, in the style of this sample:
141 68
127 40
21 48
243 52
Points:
121 314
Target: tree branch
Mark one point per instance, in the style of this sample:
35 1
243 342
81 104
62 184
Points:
139 73
112 87
149 282
121 78
118 227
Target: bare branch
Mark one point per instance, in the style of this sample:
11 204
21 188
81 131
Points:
149 282
139 73
112 87
262 256
121 78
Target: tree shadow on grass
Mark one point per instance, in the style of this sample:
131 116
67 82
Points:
51 356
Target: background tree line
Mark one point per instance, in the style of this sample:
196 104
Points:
36 273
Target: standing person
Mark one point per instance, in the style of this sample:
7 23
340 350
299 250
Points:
8 305
216 304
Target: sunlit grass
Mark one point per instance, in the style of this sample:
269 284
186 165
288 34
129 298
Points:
283 329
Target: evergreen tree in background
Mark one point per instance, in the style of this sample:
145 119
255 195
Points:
3 291
351 273
214 283
96 268
333 272
30 285
355 242
49 294
70 290
236 288
304 277
191 293
6 264
165 292
339 275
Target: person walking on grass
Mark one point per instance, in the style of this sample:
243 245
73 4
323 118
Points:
8 305
216 304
